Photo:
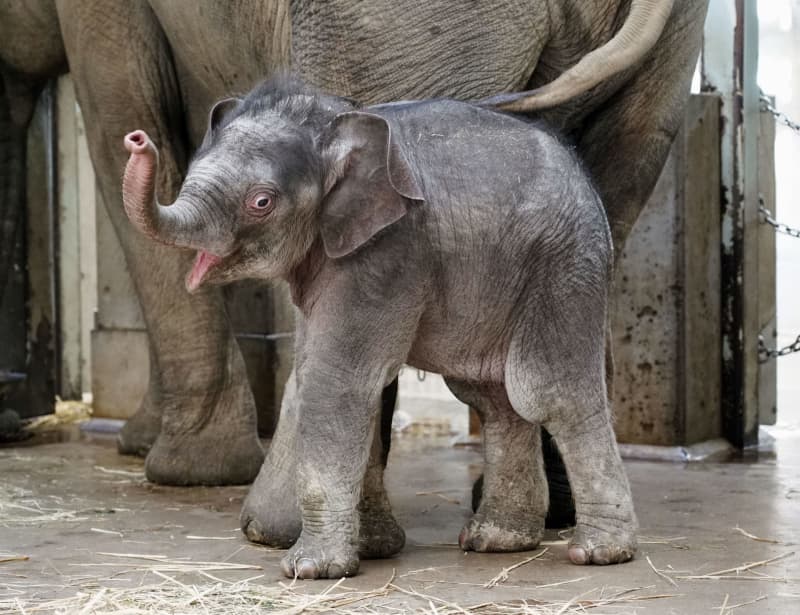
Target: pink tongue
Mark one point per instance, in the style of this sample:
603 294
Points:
202 264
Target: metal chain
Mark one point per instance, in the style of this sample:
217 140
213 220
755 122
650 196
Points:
779 227
780 116
765 353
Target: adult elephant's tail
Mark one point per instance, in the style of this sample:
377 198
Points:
641 30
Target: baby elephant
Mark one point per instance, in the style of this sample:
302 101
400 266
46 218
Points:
441 234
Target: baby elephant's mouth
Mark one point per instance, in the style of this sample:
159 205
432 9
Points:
204 263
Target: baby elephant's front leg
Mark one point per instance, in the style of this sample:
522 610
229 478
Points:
338 411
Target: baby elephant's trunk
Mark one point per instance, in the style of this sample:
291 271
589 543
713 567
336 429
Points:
174 225
139 183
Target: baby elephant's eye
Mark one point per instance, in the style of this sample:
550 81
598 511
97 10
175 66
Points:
260 203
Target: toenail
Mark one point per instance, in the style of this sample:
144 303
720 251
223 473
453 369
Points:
463 538
252 530
287 569
601 556
578 555
306 569
335 571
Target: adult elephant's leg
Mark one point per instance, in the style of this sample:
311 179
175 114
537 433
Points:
639 123
140 431
561 508
379 533
511 513
124 80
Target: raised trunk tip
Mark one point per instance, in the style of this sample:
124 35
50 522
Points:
137 142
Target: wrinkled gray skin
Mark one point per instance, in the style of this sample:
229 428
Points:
159 65
451 237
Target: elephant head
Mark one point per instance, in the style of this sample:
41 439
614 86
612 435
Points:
276 172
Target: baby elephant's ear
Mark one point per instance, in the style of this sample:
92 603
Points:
216 114
369 185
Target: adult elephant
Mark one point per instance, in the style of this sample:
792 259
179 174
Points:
158 65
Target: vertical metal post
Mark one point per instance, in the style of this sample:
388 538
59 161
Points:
730 58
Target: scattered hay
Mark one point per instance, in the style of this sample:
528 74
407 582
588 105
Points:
526 586
747 534
439 494
661 573
101 531
134 474
172 595
671 542
18 508
65 413
12 557
736 572
724 608
426 427
428 569
553 543
502 576
216 596
531 606
163 564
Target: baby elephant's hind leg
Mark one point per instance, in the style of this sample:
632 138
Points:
550 382
511 513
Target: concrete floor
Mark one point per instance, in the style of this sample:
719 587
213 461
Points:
687 515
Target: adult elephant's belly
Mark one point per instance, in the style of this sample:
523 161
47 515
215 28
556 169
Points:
375 50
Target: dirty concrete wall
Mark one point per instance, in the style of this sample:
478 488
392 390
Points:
75 229
666 320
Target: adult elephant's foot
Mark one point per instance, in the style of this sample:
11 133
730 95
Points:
593 545
270 514
380 535
495 530
207 457
561 512
208 436
141 430
317 558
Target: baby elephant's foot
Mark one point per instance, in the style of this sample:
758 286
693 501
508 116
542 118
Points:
380 534
488 533
591 545
318 559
